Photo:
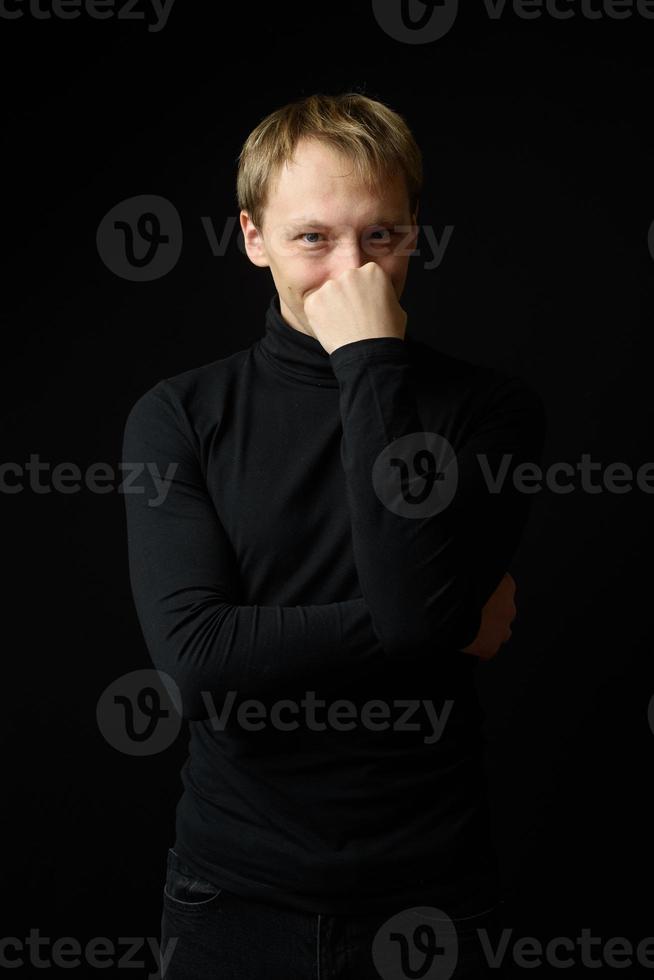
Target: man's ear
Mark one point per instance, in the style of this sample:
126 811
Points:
253 240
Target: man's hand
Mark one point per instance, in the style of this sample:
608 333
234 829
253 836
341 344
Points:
359 304
496 618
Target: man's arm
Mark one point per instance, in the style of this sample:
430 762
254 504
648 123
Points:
426 579
184 581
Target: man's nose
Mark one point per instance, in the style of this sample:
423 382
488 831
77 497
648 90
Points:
349 255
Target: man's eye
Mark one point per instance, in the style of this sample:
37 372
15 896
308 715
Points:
302 235
384 232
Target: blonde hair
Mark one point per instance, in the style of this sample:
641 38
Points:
375 138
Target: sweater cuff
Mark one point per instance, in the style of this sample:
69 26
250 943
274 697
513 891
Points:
386 348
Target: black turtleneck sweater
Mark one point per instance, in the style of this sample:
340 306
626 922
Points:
285 564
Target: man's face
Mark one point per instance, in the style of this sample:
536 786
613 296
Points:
320 221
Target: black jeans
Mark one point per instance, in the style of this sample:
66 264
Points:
208 933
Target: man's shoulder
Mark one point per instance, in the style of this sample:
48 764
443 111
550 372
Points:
195 396
206 383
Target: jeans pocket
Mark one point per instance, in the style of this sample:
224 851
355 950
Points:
184 889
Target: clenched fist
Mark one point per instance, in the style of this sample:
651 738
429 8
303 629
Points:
359 304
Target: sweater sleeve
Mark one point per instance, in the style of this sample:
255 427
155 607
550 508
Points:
185 583
426 573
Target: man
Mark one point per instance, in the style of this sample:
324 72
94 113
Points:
328 540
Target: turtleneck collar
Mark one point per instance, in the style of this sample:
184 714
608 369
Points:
294 353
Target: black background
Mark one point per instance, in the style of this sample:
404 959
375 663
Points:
537 143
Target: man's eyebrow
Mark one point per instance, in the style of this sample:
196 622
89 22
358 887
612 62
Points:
300 221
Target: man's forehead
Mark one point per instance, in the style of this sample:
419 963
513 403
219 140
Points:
305 190
385 218
325 205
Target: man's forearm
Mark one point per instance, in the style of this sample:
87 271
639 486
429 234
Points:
426 579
